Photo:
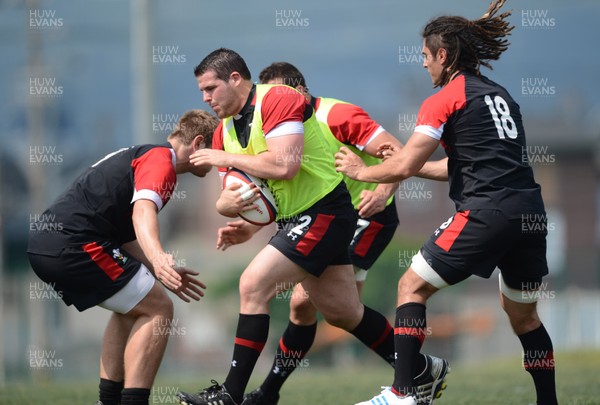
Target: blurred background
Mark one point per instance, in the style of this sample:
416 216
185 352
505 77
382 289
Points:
82 79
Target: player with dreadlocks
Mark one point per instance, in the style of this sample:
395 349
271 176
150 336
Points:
500 219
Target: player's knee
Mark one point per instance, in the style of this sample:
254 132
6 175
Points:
156 302
302 311
346 319
406 287
523 321
336 320
167 308
162 304
251 291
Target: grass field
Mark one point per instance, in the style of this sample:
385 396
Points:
499 382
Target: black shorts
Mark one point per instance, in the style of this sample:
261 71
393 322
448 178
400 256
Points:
320 236
372 235
475 242
88 274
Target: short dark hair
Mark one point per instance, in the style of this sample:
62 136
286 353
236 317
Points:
194 123
223 62
290 75
469 44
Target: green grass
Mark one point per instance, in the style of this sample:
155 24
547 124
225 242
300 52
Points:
499 382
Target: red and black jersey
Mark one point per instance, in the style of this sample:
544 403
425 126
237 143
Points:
99 203
480 127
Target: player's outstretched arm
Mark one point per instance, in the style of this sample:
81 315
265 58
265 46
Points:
399 166
147 231
432 170
435 170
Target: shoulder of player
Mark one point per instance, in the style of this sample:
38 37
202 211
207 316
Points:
154 151
281 92
156 154
452 96
343 111
485 86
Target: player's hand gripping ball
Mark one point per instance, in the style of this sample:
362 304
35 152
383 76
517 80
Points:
266 207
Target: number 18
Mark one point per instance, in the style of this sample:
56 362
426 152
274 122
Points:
502 123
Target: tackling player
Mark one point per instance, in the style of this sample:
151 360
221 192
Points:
479 125
108 253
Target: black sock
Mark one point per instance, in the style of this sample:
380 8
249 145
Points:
250 338
377 334
135 396
110 391
538 359
292 348
409 334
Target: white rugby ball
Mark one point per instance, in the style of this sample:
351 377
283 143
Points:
266 210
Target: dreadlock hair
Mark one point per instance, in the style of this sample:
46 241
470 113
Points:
469 44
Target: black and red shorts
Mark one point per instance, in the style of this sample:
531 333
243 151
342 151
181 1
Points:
86 274
320 236
475 242
372 235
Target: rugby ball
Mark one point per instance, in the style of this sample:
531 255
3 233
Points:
266 210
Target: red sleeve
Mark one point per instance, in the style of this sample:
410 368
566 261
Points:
217 144
351 124
154 176
282 104
217 140
436 110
